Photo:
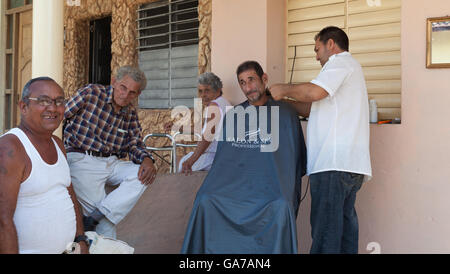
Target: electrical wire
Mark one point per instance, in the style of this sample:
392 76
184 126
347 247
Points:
290 82
293 64
306 192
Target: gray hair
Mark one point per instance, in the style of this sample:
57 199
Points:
26 89
210 79
134 73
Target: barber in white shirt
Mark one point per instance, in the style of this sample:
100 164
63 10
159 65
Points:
338 132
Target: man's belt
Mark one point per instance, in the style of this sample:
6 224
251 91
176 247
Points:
92 153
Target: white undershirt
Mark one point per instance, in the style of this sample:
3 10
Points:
45 216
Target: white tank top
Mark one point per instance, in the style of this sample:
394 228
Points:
45 216
223 103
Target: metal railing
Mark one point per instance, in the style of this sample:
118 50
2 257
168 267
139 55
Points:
172 148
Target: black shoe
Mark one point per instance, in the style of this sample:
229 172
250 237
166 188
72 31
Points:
89 223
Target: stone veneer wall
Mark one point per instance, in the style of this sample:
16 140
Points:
124 44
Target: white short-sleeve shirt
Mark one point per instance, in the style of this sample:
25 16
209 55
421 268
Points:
338 129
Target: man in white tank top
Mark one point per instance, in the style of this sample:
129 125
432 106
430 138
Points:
210 90
39 212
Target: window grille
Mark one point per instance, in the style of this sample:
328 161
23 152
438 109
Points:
168 52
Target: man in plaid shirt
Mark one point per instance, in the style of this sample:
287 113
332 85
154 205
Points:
102 127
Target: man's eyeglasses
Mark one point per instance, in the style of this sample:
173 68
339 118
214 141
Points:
46 101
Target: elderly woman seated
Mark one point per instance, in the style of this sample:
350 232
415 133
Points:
210 91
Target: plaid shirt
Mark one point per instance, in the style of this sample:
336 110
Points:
92 124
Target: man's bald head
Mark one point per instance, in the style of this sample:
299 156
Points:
27 89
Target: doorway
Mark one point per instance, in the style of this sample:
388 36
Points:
100 51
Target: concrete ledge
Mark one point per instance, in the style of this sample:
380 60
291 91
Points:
157 223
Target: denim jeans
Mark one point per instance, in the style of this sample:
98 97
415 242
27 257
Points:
334 222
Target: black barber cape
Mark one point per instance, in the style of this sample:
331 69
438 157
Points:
249 200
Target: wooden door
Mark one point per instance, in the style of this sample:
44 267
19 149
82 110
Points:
24 52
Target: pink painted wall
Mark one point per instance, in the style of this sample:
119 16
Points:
405 208
247 30
276 41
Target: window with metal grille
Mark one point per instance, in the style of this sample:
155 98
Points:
168 52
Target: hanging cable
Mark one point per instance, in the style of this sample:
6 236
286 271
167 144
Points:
293 64
290 82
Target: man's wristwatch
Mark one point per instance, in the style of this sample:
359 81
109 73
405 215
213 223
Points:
82 238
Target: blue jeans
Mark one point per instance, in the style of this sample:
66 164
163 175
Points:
334 222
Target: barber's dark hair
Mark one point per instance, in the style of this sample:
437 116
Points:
250 65
26 89
336 34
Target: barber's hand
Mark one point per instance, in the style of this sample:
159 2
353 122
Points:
187 167
147 172
278 91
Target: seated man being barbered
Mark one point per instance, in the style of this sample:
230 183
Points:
249 200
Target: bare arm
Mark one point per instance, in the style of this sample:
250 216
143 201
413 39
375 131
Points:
12 167
76 205
306 92
79 219
201 148
207 138
303 109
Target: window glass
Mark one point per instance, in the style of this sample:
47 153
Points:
7 111
9 71
15 3
10 29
